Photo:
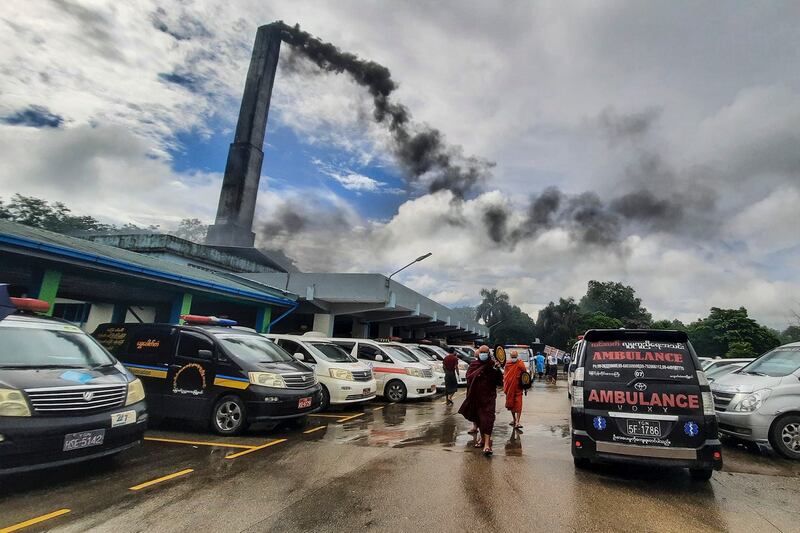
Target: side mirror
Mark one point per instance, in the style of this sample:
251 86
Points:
205 354
299 356
379 358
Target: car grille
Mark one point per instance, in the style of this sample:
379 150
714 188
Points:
301 380
76 400
722 400
362 375
427 373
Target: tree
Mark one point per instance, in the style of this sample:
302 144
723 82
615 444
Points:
557 324
53 216
493 308
669 324
192 229
724 330
616 300
790 334
740 350
597 320
516 328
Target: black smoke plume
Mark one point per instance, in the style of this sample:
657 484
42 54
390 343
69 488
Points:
420 150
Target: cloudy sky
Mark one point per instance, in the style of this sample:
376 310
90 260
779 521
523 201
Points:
653 143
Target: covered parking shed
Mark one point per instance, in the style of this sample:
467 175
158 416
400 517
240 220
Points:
89 283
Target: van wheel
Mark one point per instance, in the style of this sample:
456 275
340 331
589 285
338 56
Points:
326 398
784 435
229 416
700 474
581 462
395 391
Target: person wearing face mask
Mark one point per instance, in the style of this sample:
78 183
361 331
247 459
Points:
512 386
483 378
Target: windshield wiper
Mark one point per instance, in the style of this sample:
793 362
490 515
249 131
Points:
102 365
752 372
44 367
661 380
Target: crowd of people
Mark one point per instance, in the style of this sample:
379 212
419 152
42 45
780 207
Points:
484 376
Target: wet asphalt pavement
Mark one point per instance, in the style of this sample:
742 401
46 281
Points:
405 467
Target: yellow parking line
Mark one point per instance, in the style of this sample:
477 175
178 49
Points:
32 521
312 430
255 449
199 443
340 415
345 419
161 479
379 408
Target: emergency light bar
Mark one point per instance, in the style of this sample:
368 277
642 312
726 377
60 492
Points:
207 320
30 304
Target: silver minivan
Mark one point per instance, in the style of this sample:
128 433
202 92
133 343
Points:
760 402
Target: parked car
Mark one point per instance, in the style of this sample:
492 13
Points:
63 397
466 355
425 358
439 354
207 371
639 396
577 349
760 402
524 352
717 372
343 379
399 376
717 363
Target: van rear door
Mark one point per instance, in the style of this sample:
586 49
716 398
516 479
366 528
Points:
642 391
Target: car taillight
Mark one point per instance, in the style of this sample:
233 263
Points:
708 399
577 392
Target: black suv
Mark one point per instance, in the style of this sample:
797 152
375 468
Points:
227 376
640 396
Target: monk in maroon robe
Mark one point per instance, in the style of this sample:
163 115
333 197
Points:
483 378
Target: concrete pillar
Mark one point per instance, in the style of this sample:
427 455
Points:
182 305
385 330
263 318
46 285
237 199
360 329
418 333
323 323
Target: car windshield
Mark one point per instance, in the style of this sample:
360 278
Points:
399 355
254 348
721 370
332 352
440 351
779 362
59 346
422 355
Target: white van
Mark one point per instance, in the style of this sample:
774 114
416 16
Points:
440 354
425 358
398 375
344 380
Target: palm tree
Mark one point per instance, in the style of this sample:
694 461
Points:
493 308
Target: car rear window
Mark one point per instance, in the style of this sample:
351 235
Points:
624 360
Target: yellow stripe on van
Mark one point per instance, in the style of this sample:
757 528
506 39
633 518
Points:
231 383
148 373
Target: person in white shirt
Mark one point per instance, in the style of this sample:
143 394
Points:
552 368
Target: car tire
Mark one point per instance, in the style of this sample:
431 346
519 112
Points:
581 463
326 398
395 391
784 436
229 416
701 474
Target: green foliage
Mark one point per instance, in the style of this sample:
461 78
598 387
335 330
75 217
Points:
55 216
669 324
192 229
615 300
557 324
740 349
724 330
516 328
493 308
598 320
790 334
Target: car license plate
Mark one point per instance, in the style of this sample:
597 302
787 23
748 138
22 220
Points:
84 439
366 391
644 428
304 402
123 419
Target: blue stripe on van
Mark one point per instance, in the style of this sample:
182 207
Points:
234 378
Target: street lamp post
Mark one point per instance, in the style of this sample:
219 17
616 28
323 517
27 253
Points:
417 260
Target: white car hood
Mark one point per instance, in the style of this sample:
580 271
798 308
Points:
733 383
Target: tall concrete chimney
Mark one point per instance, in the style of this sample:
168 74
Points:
237 200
